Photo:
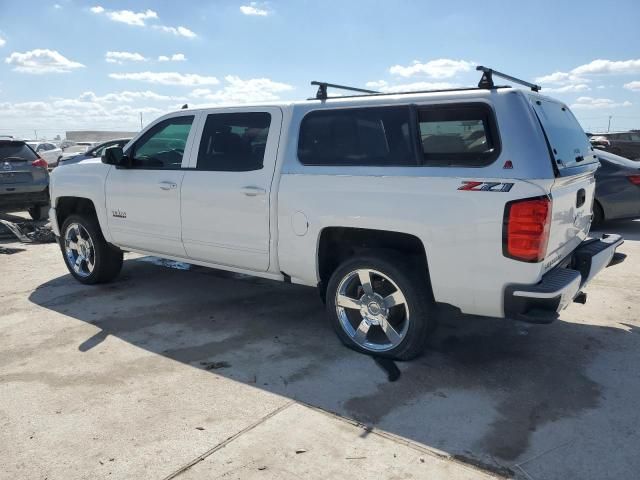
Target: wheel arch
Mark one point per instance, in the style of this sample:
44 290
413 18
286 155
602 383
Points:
68 205
336 244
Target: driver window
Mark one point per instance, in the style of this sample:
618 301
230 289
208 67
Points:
163 145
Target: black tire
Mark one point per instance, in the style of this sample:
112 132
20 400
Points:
107 259
413 283
598 214
39 212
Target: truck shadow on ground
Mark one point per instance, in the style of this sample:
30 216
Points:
483 389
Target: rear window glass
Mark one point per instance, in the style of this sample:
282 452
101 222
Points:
460 135
376 136
234 142
569 144
16 152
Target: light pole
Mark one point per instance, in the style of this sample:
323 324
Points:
609 126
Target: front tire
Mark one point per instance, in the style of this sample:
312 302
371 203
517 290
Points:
88 256
380 304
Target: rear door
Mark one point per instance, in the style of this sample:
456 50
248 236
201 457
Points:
573 189
225 197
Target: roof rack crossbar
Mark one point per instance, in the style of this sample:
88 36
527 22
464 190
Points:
322 89
487 79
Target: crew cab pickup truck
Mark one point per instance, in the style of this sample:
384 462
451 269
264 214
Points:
392 205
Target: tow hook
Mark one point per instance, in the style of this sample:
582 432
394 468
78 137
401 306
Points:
581 297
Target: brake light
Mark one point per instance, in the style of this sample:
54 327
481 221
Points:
635 179
526 229
40 162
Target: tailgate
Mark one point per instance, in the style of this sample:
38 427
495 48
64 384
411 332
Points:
573 189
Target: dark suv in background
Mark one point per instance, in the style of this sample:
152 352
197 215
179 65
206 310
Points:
625 144
24 179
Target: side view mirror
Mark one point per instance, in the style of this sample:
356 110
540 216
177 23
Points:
114 156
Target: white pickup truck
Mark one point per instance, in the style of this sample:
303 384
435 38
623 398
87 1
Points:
391 204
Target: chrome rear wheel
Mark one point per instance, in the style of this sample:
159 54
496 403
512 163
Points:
372 310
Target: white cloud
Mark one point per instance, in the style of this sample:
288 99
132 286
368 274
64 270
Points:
140 19
121 57
633 86
167 78
561 78
126 16
127 96
383 86
440 68
2 42
590 103
57 6
41 61
254 8
176 57
178 31
238 90
601 66
577 87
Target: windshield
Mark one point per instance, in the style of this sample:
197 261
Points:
569 144
16 152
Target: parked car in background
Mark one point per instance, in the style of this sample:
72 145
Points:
24 179
48 151
77 148
617 188
624 144
95 152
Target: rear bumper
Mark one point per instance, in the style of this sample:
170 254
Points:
23 200
542 302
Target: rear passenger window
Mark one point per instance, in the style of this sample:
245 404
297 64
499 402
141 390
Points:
460 136
234 142
365 136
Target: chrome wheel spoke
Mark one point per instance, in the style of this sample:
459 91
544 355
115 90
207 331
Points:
391 333
396 298
360 335
365 281
348 302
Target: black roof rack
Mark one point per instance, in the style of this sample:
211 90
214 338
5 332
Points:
486 82
322 89
487 79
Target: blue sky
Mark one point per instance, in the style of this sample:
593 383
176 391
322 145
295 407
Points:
69 64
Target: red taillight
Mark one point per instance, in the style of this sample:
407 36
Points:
526 229
635 179
40 162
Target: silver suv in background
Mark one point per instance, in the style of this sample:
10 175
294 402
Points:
24 179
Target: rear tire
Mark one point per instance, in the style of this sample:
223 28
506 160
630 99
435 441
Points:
88 256
598 214
392 316
39 212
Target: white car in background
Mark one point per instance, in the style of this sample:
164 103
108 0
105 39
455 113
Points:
48 151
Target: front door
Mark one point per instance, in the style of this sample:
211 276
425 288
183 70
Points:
143 200
225 192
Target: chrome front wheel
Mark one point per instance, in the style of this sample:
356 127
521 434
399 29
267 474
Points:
79 250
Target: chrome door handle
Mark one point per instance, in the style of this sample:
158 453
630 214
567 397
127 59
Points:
252 191
168 185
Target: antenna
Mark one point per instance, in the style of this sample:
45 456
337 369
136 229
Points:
487 79
322 89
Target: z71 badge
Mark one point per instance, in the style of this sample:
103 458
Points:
485 186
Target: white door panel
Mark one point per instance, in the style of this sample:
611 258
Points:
143 203
143 208
225 214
